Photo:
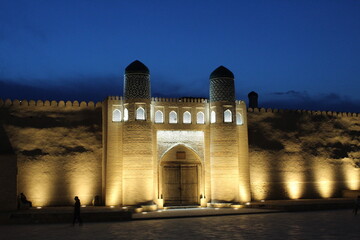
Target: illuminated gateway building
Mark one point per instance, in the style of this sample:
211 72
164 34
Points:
137 150
175 151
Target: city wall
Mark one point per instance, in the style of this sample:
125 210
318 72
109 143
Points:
303 154
56 150
58 146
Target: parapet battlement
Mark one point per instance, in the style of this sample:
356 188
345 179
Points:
92 105
47 103
160 99
323 113
178 100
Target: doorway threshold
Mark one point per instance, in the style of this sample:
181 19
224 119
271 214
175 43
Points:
182 207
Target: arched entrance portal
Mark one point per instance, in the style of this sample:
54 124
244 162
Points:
180 177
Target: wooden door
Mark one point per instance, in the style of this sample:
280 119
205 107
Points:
189 185
180 184
172 185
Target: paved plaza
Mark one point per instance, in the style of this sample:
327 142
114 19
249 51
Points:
333 224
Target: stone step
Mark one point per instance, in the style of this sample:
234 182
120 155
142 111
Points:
182 207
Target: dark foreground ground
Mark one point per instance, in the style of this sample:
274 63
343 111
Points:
325 224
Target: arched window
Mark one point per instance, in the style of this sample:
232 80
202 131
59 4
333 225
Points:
126 114
227 116
140 114
187 117
159 117
116 117
200 118
239 119
213 117
172 117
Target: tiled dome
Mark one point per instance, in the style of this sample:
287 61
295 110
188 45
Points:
221 72
136 67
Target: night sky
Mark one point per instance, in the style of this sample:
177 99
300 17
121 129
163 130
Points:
294 54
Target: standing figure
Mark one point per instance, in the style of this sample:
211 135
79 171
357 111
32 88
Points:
24 200
77 206
356 205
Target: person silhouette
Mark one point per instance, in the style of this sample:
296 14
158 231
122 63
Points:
356 205
24 200
77 206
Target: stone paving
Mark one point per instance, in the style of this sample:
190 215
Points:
198 212
332 224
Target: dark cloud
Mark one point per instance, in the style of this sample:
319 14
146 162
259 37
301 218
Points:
81 89
98 88
292 93
302 100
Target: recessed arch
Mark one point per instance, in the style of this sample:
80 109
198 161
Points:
140 113
126 114
227 116
159 117
179 145
187 117
200 118
180 176
213 117
239 119
116 115
173 117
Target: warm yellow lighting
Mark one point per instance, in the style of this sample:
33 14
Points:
325 188
83 205
144 212
260 187
216 208
38 182
38 207
351 175
112 206
236 208
262 200
159 210
113 191
82 181
124 208
294 189
144 187
247 203
244 191
324 176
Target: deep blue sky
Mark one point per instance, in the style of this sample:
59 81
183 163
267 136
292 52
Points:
297 54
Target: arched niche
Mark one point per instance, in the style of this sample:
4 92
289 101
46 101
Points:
159 117
180 177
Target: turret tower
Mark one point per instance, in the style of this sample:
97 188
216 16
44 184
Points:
226 163
137 136
128 138
253 99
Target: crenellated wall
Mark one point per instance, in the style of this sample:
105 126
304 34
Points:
47 103
58 146
324 113
303 154
63 149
